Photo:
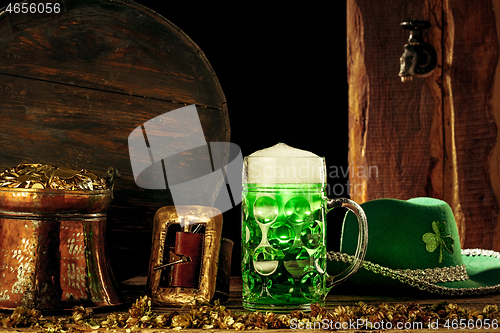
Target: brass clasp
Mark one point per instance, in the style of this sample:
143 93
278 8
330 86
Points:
185 222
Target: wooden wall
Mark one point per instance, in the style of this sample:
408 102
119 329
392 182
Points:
435 136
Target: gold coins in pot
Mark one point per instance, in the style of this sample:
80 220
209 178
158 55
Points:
40 176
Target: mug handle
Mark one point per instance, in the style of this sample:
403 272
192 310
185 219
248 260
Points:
362 239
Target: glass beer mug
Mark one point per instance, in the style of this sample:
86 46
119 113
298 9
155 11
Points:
284 230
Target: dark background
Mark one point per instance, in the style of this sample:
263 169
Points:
283 72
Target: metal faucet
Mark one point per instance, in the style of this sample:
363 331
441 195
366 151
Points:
419 58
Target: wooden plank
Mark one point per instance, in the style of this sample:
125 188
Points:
334 299
337 297
494 165
473 51
118 46
432 137
134 288
393 126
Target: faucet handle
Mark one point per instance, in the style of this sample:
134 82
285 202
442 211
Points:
416 28
416 24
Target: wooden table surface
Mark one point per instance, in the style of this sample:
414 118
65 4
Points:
136 287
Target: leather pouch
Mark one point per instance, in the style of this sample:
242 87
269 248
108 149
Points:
187 274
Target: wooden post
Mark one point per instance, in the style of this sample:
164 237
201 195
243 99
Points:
433 136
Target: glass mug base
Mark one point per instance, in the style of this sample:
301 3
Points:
281 308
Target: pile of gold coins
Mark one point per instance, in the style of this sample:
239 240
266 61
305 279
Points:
39 176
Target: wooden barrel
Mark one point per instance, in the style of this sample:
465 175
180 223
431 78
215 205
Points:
74 83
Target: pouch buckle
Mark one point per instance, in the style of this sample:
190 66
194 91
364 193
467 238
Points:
175 261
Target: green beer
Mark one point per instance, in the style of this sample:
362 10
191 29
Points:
283 240
283 246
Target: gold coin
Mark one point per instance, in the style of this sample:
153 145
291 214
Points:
92 176
47 170
64 173
63 167
23 178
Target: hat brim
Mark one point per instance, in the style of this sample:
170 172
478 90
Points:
482 266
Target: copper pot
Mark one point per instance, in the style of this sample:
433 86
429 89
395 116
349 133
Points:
53 251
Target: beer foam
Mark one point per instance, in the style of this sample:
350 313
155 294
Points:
282 164
283 150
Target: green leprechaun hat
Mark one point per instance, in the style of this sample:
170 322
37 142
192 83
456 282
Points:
413 246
